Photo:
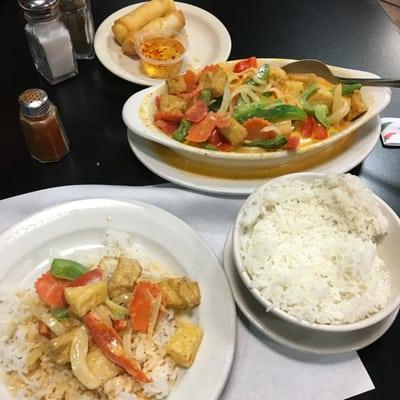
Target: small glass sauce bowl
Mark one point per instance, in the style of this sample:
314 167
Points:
161 53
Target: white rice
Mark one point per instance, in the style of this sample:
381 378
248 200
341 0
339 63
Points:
19 338
310 249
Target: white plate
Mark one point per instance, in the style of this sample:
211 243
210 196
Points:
364 141
290 335
209 42
26 249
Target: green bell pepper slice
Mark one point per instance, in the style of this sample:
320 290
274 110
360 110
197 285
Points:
271 113
60 314
67 269
210 146
321 114
262 73
206 96
182 131
349 89
276 142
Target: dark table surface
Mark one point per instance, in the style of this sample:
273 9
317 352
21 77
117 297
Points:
351 33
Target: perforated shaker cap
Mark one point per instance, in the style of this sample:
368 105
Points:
34 102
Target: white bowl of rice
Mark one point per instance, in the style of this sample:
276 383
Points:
319 251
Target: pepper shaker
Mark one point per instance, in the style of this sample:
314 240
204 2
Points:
42 127
49 40
77 16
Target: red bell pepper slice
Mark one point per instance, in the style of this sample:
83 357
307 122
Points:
94 275
119 325
308 126
107 340
245 64
293 142
142 306
169 116
167 127
320 132
44 330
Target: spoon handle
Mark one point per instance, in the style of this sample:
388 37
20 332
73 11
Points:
372 82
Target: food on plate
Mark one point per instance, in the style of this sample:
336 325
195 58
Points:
169 24
104 329
310 249
140 16
250 106
161 54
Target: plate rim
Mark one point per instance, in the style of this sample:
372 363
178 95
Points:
105 25
239 191
55 212
384 326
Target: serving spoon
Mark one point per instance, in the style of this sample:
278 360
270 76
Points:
320 69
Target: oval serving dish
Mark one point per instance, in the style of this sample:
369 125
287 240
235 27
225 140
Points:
139 109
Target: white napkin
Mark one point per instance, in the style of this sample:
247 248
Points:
262 369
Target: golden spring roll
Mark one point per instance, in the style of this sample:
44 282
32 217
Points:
174 21
141 16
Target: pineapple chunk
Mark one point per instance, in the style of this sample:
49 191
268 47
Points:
102 368
124 277
184 344
234 132
82 299
59 347
180 293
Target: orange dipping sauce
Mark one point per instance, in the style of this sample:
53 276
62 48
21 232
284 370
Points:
161 56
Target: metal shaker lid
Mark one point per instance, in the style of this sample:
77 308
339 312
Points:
34 102
38 5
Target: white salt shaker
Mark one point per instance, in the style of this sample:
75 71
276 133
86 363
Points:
49 40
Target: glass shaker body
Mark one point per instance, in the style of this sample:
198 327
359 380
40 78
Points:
42 127
51 48
77 16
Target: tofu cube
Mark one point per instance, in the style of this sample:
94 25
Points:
169 102
180 293
124 276
184 344
294 88
176 84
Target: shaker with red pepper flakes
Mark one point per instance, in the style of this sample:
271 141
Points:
42 127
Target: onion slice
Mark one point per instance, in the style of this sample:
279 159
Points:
56 326
116 307
226 99
337 98
78 354
127 342
340 113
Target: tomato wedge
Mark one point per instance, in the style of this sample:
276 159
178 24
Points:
169 116
308 126
245 64
293 142
200 132
91 276
142 306
108 341
197 111
191 80
320 132
167 127
254 128
51 290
